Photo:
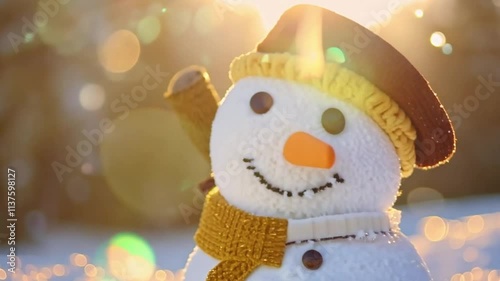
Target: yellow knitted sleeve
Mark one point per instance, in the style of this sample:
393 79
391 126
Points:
195 106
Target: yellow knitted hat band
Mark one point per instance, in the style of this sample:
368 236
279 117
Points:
344 84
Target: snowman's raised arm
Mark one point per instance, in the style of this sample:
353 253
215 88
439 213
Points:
194 99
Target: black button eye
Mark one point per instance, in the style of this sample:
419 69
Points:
312 259
333 121
261 102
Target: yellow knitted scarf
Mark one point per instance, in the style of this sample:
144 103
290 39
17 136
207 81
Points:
241 241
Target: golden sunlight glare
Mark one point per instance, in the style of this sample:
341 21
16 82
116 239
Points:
270 11
309 44
366 13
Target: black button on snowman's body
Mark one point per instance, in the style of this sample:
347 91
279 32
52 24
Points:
312 259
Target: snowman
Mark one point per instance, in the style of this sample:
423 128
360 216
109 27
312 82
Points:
308 149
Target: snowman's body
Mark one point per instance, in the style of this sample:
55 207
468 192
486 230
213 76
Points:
365 162
383 259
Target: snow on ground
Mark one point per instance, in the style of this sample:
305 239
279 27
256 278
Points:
459 239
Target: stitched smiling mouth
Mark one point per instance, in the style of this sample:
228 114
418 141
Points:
281 191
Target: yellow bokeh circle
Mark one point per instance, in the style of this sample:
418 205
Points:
120 51
151 166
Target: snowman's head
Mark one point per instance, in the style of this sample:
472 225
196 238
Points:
325 117
285 149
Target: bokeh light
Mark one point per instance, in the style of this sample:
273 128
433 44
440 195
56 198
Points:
59 270
3 274
160 275
477 273
92 97
466 276
435 229
79 260
90 270
120 52
46 272
40 277
475 224
469 239
148 29
419 13
164 275
494 275
423 194
130 257
163 162
447 49
335 54
438 39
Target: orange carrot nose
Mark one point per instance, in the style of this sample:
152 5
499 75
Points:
302 149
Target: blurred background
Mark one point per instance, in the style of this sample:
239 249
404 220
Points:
107 179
